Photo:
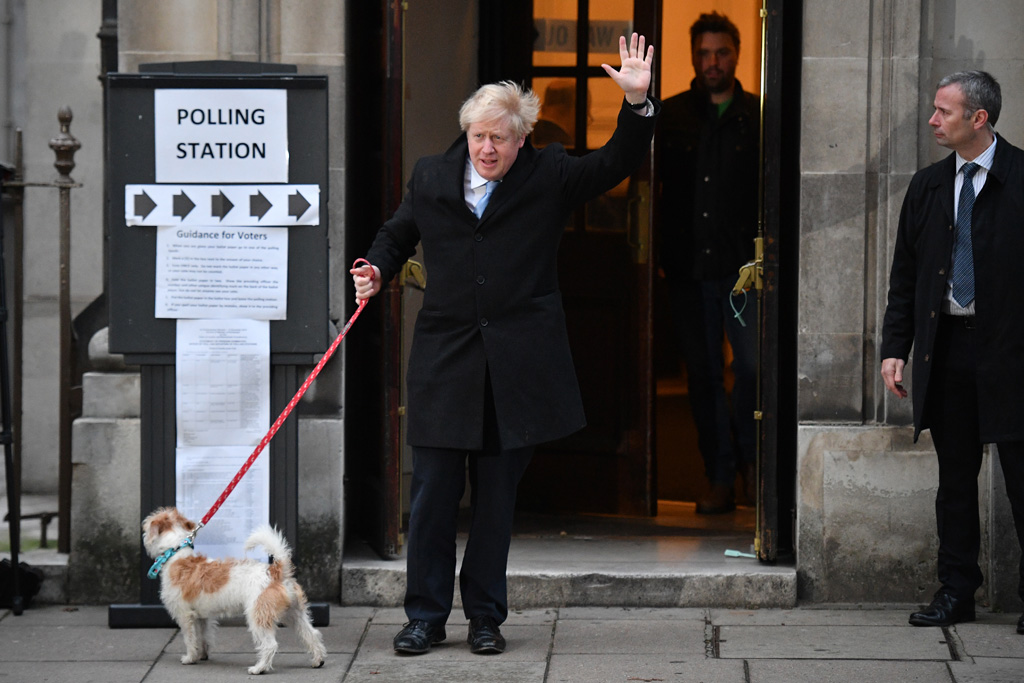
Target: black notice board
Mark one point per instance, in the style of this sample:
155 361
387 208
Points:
131 251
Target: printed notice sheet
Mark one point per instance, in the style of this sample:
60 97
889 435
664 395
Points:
223 382
214 272
223 411
202 474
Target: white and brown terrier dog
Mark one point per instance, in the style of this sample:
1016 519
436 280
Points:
197 590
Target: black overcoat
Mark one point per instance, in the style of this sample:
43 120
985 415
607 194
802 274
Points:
917 283
492 302
707 172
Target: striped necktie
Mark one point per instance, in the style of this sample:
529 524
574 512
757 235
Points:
963 256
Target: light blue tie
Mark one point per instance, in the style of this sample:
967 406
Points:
963 255
482 204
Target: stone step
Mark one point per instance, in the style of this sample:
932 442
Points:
368 583
677 559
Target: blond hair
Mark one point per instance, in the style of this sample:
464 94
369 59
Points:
506 102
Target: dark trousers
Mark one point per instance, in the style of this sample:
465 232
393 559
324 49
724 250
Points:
702 311
952 414
438 482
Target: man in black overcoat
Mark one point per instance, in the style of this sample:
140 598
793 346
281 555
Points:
490 374
951 296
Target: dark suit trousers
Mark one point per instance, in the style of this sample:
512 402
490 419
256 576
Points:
438 482
952 414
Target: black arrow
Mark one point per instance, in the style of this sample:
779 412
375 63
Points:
297 205
220 205
258 205
144 205
182 205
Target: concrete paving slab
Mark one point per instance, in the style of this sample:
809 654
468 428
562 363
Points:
809 617
681 638
479 670
634 613
527 616
352 612
342 635
79 643
985 670
628 668
231 668
84 672
992 640
832 642
59 615
831 671
389 615
529 643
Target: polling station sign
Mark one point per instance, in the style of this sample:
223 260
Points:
221 135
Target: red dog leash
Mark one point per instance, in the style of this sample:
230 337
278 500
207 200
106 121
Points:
284 413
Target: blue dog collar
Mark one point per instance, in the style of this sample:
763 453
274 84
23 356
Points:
154 571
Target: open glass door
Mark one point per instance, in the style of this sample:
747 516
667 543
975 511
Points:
760 70
604 261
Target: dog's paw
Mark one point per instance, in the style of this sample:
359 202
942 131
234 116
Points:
257 670
187 659
318 663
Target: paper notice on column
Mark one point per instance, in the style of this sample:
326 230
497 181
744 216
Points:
223 412
202 473
223 382
216 272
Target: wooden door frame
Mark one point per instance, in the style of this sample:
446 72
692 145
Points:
777 400
373 474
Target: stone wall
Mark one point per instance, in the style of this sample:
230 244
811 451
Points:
865 512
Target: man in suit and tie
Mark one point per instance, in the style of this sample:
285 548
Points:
955 269
490 374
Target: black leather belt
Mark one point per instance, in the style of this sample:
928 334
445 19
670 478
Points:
964 321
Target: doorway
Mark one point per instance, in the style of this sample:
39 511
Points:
681 471
633 382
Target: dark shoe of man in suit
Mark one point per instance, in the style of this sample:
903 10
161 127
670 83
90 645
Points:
1020 625
722 498
484 637
417 636
945 610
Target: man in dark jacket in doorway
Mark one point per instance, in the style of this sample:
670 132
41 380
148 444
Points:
708 152
955 268
490 373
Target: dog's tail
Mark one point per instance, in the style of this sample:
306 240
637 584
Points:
273 542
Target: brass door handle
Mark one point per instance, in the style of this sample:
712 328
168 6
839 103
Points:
750 273
414 275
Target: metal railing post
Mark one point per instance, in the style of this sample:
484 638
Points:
64 146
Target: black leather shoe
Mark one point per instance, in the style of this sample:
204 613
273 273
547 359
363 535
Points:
719 500
1020 625
945 610
484 637
417 636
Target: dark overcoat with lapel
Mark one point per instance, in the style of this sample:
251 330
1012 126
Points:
492 303
917 285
